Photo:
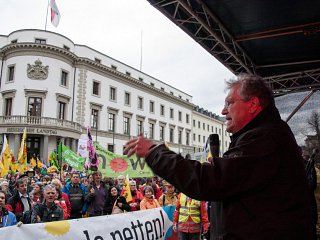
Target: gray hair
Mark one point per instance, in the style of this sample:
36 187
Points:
252 86
48 187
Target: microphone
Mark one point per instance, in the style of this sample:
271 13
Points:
214 144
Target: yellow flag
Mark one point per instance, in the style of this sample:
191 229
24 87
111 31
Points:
39 163
1 166
6 157
22 155
33 162
126 191
14 167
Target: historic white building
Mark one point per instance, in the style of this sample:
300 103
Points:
57 88
205 123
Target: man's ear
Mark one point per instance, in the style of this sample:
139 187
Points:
255 105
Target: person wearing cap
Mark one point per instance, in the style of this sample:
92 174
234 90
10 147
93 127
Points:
169 197
149 200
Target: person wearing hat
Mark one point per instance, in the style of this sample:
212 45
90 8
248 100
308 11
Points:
149 200
169 197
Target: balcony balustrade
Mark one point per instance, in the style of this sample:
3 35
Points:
40 122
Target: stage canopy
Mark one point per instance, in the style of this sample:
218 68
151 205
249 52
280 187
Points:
278 40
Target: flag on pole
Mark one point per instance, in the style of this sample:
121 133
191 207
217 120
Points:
53 159
6 157
39 163
33 162
55 14
126 191
94 162
207 155
22 154
13 163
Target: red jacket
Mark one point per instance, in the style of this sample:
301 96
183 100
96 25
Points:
136 199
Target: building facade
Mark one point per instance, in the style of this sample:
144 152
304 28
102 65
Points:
205 123
56 88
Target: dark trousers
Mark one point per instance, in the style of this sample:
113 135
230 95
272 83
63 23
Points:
75 215
188 236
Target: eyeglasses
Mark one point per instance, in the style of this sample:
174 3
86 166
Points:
228 103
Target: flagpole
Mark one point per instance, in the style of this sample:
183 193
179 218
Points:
45 27
60 158
141 52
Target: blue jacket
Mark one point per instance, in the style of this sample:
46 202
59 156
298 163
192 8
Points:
9 219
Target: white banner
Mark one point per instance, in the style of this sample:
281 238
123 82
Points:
82 147
145 224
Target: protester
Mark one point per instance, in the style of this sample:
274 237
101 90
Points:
62 198
36 195
136 196
76 193
120 182
149 200
190 217
20 202
7 218
96 195
260 179
4 186
169 197
156 189
48 211
115 203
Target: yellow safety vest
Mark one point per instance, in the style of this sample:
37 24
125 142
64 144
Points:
189 208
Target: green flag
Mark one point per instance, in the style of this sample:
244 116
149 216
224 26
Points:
112 165
53 159
71 158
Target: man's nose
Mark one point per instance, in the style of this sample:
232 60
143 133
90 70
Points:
224 110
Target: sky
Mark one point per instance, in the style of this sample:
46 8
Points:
123 29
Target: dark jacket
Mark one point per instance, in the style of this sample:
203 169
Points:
15 205
96 201
118 199
54 213
260 180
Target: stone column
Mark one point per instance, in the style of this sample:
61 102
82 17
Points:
45 149
74 145
16 145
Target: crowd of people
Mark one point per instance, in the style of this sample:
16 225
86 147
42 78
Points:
34 198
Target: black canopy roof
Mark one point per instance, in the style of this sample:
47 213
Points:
278 40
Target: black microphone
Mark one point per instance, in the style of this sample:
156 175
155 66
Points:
214 144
